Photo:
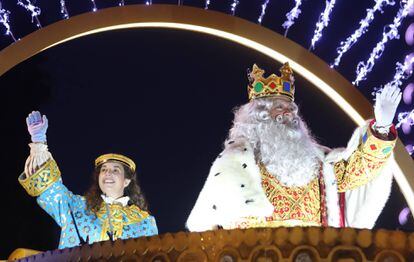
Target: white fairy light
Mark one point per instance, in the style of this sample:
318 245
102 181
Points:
148 2
207 4
322 22
5 20
94 8
234 6
402 72
264 6
34 10
121 3
390 33
291 16
405 118
363 28
63 9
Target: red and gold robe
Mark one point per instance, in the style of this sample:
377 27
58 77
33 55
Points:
322 201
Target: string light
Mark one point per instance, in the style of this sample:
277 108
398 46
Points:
63 9
94 8
121 3
5 20
148 2
264 6
402 72
34 10
405 118
207 4
292 15
234 6
363 28
322 23
390 33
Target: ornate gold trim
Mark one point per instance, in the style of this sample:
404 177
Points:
315 244
37 183
117 212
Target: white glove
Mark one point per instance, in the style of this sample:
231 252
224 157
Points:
39 154
386 105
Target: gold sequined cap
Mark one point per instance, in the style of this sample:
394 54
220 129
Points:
115 157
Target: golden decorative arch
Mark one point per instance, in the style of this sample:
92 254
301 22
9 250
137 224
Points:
243 32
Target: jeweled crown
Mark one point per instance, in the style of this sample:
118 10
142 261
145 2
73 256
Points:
273 85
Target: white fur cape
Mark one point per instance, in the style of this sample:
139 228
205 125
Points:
233 190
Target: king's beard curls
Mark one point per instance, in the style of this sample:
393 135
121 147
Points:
282 144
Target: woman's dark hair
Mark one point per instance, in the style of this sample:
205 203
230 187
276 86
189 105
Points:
133 190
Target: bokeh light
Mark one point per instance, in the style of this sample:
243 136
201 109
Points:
406 127
408 93
407 60
409 34
409 148
403 216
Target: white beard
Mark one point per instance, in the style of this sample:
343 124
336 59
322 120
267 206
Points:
289 154
285 147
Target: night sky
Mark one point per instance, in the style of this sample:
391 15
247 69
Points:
162 97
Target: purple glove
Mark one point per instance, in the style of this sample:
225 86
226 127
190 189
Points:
37 126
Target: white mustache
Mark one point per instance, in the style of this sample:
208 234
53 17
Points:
292 120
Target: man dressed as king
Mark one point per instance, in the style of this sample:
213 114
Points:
273 173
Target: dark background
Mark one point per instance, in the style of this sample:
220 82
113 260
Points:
164 98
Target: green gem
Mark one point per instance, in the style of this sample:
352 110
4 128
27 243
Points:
386 150
258 87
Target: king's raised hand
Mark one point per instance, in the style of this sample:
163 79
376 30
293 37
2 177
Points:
386 105
37 126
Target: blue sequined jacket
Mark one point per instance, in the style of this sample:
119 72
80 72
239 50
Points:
53 196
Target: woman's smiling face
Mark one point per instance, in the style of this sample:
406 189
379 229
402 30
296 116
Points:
112 181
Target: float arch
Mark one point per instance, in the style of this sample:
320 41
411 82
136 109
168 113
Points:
232 28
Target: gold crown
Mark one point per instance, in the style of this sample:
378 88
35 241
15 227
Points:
272 86
115 157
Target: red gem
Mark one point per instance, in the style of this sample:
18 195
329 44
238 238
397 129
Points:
373 147
272 85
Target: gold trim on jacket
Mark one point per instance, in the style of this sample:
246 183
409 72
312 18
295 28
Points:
41 180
